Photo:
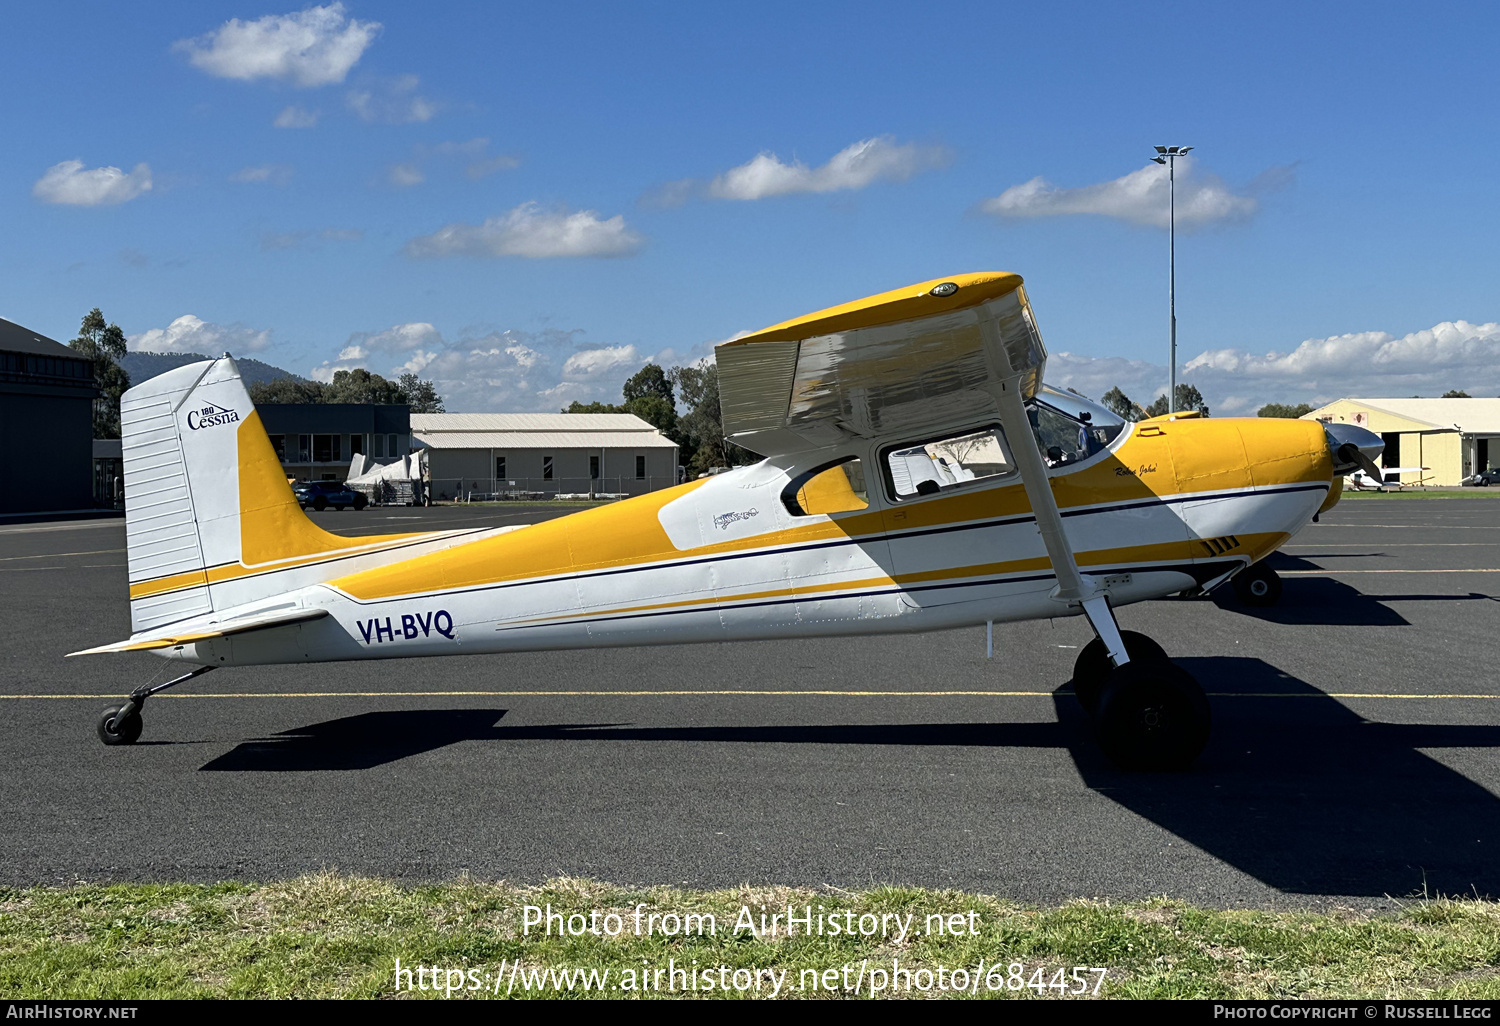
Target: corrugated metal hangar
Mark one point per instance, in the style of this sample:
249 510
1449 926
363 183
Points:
499 454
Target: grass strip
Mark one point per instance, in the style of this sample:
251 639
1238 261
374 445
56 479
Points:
335 936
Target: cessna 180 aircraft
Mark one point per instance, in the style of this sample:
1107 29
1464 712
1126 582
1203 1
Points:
917 475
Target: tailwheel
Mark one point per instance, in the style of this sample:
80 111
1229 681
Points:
1093 667
1151 716
1258 585
120 724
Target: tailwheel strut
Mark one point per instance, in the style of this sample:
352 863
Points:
121 724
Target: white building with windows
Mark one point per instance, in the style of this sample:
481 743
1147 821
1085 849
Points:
499 454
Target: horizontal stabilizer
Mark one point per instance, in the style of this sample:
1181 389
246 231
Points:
188 634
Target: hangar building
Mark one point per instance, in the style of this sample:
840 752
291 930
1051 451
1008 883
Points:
315 441
46 412
1454 438
499 454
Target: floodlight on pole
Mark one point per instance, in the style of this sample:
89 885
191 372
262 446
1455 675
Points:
1166 155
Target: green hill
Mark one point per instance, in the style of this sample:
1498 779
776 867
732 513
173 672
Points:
142 366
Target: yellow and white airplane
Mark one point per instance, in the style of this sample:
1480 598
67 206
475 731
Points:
917 476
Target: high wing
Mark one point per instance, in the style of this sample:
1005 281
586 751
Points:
184 635
929 355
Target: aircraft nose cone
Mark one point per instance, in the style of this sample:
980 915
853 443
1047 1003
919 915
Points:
1352 447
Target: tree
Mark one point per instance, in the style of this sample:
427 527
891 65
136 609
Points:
1188 398
360 386
104 345
649 395
703 426
421 396
1283 410
1456 393
649 380
655 410
286 390
1120 404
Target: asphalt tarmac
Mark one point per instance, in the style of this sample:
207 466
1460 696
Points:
1353 760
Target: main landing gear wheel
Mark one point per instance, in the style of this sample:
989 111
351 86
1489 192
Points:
1093 667
120 724
1258 585
1151 716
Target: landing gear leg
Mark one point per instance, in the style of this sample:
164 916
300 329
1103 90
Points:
121 724
1258 585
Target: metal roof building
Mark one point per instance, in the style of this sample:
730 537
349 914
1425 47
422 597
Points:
1452 438
543 453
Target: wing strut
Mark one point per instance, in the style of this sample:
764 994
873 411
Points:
1073 586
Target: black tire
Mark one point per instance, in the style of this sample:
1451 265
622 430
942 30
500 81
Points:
1092 668
1483 482
320 503
1153 717
360 502
1258 586
116 730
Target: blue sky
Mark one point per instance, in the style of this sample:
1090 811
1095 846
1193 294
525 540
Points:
527 203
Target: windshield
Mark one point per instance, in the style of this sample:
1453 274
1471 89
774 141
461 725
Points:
1070 427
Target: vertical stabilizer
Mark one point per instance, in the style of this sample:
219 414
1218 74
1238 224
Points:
181 483
210 521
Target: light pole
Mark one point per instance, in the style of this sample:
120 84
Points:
1166 155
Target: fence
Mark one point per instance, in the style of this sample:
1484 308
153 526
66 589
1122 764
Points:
535 488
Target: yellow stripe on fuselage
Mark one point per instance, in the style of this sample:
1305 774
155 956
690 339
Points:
1176 459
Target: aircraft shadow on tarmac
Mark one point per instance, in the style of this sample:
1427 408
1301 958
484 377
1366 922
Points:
1295 789
1308 601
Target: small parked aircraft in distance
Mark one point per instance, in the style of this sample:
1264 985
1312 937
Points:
917 475
1360 481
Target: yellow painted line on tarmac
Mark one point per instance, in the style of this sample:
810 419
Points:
728 693
59 555
1313 573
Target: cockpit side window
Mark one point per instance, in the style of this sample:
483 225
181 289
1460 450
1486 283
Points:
946 464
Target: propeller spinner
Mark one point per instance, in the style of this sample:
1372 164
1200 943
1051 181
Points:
1354 448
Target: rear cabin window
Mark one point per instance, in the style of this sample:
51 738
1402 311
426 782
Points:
947 464
836 488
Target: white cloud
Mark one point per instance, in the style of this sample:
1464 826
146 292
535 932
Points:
531 232
314 47
69 183
859 165
393 102
404 175
1140 197
274 174
502 371
189 334
296 117
1370 364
